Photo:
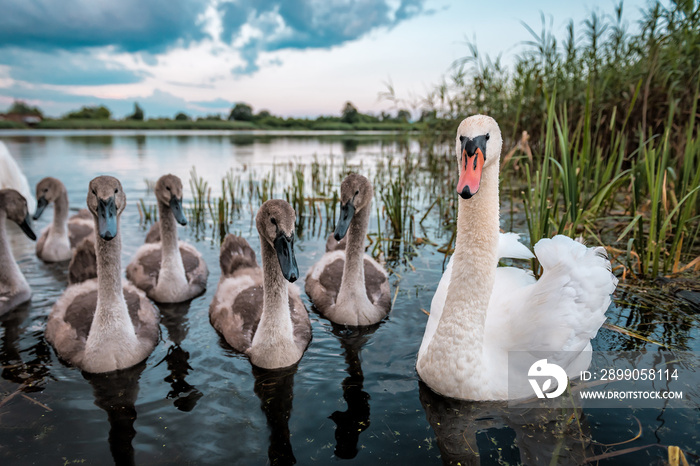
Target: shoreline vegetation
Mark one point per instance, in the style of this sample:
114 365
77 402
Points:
241 118
601 132
215 125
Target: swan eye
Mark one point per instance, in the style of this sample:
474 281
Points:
488 136
116 190
273 220
94 192
357 192
46 190
168 188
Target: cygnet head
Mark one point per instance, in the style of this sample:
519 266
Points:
106 200
275 222
15 207
47 191
478 146
168 191
356 193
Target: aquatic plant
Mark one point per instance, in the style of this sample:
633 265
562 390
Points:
609 130
147 213
599 70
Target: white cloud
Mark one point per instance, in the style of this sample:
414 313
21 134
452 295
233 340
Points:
413 54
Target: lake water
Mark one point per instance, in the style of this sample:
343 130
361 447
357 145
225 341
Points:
354 397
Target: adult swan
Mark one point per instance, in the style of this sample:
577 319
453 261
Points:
480 311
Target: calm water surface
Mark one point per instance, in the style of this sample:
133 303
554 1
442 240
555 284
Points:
353 398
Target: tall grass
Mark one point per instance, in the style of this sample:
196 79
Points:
200 192
601 70
611 112
646 214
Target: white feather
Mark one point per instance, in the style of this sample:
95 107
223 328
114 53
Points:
510 247
562 311
11 177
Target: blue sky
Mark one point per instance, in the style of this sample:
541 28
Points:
299 58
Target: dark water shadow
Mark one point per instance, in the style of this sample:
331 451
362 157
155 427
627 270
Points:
349 146
243 140
116 393
275 389
174 318
473 433
93 141
58 271
141 149
30 367
656 314
356 419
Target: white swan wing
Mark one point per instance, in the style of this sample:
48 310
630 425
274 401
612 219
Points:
509 246
11 177
563 310
436 306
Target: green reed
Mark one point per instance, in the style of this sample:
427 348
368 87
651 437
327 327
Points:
264 188
200 192
599 70
147 213
396 196
612 119
297 190
664 207
219 211
646 214
234 187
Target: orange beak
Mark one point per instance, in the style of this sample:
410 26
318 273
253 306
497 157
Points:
470 177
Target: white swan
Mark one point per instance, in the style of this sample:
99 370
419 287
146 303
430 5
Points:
169 271
58 239
102 324
480 311
347 286
11 177
14 289
254 309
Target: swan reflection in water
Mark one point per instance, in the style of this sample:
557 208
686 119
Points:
469 433
275 388
355 420
115 393
174 318
29 373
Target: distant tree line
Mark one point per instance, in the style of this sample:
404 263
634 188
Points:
98 113
240 112
349 114
20 107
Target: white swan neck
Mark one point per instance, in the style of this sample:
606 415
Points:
168 233
111 321
11 278
453 361
172 269
60 213
475 258
353 281
275 321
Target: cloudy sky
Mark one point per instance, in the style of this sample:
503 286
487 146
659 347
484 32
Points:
292 57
